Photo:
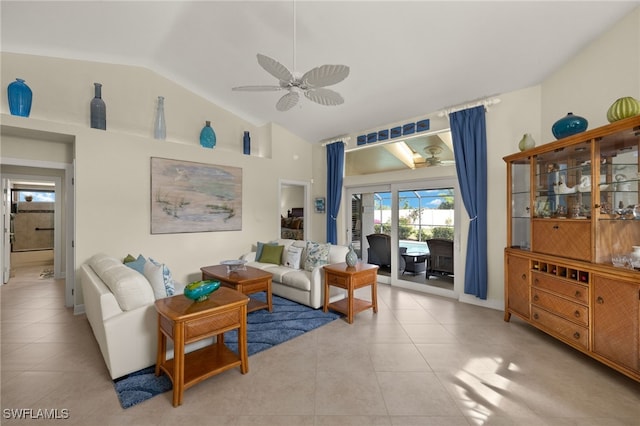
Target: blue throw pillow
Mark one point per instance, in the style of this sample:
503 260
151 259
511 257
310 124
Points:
137 264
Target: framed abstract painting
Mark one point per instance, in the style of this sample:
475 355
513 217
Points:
194 197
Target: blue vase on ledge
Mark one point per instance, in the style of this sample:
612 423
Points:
98 109
246 143
20 97
207 136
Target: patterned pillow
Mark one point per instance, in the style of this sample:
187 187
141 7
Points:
291 257
317 254
160 279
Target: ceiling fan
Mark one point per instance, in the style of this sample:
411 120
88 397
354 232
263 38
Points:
434 160
434 151
311 84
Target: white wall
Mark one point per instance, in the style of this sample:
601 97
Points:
591 81
113 166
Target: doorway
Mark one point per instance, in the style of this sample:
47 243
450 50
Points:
408 214
294 203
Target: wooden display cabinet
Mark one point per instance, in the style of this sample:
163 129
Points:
570 207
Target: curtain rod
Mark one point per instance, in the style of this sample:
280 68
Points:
487 102
344 139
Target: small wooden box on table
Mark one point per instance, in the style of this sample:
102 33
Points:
185 321
247 280
351 278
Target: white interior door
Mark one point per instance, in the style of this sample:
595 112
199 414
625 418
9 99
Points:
5 261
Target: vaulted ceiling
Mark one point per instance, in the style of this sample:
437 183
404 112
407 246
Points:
406 59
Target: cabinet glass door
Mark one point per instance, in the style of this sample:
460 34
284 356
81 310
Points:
618 207
563 183
521 204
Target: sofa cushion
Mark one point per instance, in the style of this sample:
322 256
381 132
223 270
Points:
317 254
291 257
271 254
159 277
297 279
131 289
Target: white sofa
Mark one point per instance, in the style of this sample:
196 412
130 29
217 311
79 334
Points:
119 304
300 285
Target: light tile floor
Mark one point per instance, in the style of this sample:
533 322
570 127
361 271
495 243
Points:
422 360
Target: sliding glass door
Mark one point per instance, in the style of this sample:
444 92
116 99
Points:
426 226
408 229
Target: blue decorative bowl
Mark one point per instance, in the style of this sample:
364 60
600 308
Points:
201 290
569 125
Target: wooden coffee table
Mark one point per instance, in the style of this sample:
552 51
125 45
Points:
351 278
185 321
247 281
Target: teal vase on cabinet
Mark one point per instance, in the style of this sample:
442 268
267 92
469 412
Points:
207 136
569 125
351 258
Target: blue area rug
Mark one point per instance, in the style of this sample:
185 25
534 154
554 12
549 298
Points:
264 330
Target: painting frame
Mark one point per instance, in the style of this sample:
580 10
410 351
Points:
319 205
188 196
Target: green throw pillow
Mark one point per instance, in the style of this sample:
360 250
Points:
271 254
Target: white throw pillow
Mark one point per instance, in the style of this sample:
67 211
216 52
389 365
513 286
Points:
160 279
291 257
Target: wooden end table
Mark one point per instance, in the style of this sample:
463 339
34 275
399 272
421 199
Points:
351 278
185 321
247 281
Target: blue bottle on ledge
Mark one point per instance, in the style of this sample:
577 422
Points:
246 143
207 136
98 109
20 97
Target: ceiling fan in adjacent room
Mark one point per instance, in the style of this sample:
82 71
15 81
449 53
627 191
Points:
311 84
434 159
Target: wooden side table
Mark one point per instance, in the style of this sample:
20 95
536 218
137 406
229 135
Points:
247 281
351 278
185 321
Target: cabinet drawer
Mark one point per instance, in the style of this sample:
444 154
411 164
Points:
563 238
211 325
573 291
564 329
337 280
364 278
562 307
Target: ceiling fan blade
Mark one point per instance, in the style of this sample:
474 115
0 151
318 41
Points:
288 101
325 75
275 68
324 96
257 88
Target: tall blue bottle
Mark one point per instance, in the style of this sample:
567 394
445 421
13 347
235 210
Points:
207 136
246 143
98 109
20 97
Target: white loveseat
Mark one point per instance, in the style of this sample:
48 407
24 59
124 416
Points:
300 285
119 304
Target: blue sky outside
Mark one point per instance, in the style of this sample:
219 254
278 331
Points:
429 199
